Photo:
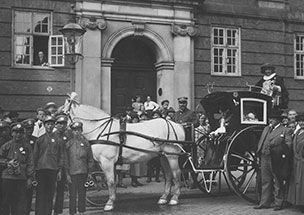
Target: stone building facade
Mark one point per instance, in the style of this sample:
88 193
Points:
165 49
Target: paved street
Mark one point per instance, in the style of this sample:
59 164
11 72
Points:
143 200
191 205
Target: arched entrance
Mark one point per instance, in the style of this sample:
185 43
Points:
133 73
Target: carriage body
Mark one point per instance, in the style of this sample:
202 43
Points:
233 153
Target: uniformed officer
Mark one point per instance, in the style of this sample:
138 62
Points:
5 136
17 157
79 165
187 118
63 136
48 158
5 133
30 139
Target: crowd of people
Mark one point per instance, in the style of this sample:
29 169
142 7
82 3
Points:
44 154
47 154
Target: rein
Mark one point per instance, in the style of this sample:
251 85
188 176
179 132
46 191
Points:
154 139
111 143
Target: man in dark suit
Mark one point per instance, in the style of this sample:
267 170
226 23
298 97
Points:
273 135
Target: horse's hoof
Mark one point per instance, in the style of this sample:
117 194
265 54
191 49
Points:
162 201
108 207
173 202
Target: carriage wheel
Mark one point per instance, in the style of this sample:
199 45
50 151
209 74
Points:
97 194
241 164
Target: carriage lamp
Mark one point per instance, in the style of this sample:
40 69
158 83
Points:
73 34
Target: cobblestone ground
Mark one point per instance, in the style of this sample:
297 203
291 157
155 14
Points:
192 204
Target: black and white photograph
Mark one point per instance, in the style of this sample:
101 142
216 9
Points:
126 107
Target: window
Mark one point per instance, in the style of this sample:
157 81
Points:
253 111
299 57
225 57
33 43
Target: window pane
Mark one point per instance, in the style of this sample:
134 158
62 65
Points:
231 60
53 60
218 59
23 22
41 22
218 36
22 49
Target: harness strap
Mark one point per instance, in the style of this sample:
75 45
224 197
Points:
122 139
155 139
111 143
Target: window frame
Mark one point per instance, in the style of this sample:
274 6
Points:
243 100
226 47
296 52
31 35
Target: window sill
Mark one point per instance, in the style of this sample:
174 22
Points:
226 75
33 67
299 78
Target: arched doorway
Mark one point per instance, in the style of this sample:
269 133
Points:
133 73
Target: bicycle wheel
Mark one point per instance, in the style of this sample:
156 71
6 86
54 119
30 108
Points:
97 194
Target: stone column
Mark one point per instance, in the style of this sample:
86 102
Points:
88 71
106 65
165 82
184 63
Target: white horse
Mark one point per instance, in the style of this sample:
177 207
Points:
97 124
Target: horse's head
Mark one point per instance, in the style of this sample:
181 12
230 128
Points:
71 101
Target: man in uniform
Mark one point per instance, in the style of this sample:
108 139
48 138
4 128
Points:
63 137
273 135
5 136
16 156
187 118
48 160
30 139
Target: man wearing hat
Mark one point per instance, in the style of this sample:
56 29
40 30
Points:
170 114
296 187
17 159
273 137
79 165
273 85
30 139
11 117
5 136
48 158
63 136
51 107
185 117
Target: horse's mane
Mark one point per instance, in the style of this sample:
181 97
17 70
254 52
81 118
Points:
87 112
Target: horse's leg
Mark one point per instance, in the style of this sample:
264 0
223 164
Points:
176 174
168 180
108 168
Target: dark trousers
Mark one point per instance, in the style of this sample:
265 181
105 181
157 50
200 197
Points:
29 197
77 188
13 197
153 164
45 191
272 188
58 207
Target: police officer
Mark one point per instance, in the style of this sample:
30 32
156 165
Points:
79 165
17 157
48 158
63 136
30 139
187 118
5 136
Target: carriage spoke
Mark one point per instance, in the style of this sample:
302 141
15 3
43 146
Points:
241 157
249 182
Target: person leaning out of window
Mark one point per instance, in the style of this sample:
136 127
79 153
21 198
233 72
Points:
79 164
